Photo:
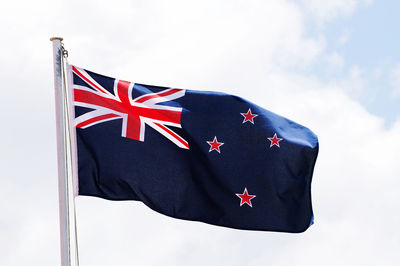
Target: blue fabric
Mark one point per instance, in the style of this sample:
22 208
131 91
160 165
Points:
198 184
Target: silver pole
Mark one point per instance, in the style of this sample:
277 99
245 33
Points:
62 151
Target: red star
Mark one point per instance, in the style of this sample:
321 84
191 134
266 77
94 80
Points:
245 198
248 117
274 141
214 145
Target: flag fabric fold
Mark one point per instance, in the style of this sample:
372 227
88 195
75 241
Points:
193 155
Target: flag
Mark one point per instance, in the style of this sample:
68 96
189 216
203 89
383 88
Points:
193 155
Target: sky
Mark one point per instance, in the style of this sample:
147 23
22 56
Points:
333 66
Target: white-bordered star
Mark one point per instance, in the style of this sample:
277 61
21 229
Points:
248 116
214 145
245 198
275 141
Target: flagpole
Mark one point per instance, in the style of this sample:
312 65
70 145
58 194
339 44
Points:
58 64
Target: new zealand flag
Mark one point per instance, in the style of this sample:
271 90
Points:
194 155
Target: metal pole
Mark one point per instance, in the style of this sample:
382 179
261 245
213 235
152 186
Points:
62 151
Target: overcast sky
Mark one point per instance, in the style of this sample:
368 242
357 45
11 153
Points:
333 66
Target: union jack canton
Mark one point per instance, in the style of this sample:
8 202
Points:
135 113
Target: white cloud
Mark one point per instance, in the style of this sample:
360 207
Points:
334 61
344 37
329 9
355 83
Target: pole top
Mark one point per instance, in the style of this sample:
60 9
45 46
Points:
56 38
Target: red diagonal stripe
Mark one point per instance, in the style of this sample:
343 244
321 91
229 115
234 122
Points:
95 119
87 80
158 95
174 135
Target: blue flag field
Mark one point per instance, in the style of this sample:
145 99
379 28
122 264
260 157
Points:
193 155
